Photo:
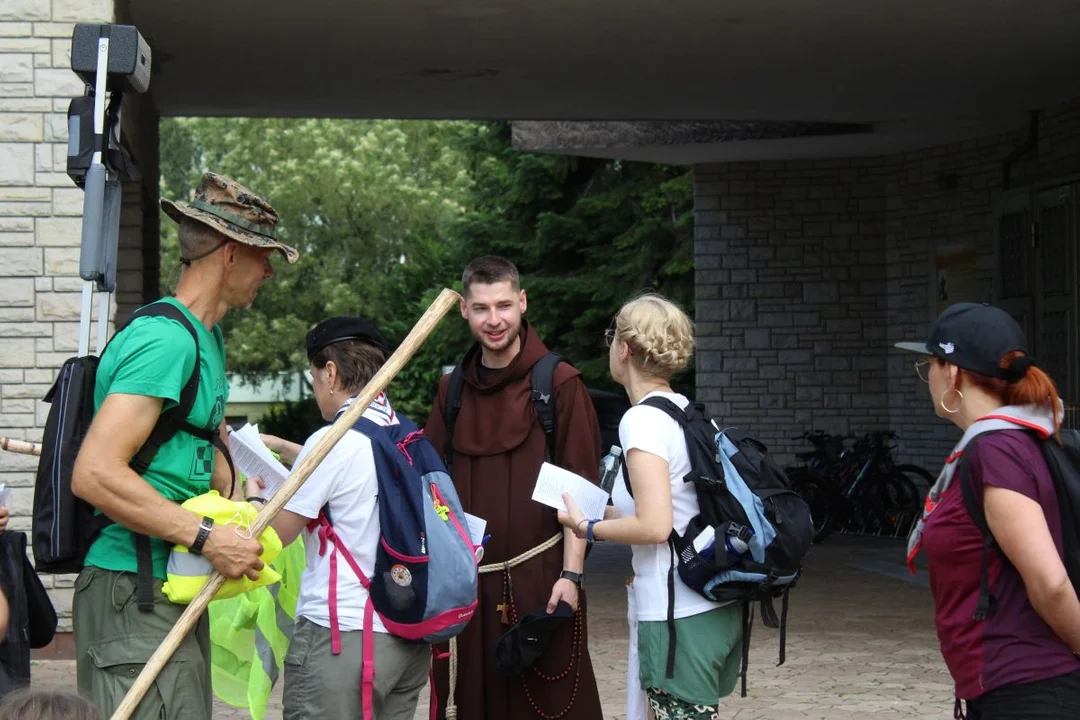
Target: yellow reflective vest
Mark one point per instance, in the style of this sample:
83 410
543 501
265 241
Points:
187 572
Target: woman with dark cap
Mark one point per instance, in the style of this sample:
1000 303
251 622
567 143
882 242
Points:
1007 615
345 353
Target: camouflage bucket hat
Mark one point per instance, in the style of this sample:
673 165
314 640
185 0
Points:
234 211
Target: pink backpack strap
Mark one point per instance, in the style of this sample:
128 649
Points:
435 655
367 670
327 536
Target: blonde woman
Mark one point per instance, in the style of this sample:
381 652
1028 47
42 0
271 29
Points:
650 340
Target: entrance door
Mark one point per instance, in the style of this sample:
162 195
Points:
1037 276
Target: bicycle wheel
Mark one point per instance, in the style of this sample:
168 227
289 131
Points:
870 504
919 477
813 491
905 504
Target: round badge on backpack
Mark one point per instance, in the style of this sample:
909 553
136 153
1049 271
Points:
401 575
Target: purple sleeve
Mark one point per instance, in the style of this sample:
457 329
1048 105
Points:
1006 460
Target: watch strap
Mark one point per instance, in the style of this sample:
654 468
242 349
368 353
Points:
205 527
576 578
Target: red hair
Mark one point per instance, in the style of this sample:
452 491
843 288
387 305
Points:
1033 388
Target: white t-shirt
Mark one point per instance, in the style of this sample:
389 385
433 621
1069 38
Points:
651 430
346 480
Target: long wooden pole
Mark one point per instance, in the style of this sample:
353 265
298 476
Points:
20 446
416 337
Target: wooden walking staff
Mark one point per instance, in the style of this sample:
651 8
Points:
416 337
20 446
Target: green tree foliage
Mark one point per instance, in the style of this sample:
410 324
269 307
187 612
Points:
357 198
387 213
585 233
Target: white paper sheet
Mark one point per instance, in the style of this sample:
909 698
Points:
252 457
553 481
477 526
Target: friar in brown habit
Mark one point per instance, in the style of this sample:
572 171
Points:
495 457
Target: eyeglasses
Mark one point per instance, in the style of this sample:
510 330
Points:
609 337
922 369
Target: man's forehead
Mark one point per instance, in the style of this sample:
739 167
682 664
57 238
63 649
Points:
482 293
259 252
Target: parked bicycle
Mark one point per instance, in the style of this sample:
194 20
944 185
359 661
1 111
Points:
859 488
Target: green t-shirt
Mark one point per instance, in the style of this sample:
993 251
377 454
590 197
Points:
154 356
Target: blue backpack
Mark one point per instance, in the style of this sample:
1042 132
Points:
748 540
424 586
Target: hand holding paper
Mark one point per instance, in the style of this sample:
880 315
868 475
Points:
553 481
252 457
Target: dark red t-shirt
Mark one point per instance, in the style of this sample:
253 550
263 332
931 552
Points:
1013 645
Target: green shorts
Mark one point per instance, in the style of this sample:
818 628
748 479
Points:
114 640
319 684
708 655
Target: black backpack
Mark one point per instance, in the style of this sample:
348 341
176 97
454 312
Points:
738 486
1063 461
32 620
542 377
64 526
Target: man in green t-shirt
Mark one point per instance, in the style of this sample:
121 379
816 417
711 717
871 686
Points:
227 237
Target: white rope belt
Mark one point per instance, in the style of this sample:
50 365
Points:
451 707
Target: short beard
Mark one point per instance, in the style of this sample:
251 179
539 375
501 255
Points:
512 334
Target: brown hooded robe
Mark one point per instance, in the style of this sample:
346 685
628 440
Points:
497 452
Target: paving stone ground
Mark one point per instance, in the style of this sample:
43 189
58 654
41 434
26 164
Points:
861 643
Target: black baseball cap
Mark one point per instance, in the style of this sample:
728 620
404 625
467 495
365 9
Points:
337 329
522 644
975 337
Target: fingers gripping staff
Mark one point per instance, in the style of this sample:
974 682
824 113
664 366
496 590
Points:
446 300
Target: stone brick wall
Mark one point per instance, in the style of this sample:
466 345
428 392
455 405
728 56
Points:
40 226
808 271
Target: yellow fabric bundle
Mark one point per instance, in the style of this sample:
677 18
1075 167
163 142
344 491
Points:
187 572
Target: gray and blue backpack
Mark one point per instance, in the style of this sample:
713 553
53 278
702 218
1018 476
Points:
424 585
748 540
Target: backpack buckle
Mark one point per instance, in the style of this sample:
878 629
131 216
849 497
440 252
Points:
740 531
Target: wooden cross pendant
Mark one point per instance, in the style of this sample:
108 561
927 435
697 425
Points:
501 608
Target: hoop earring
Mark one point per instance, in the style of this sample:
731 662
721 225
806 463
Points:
951 411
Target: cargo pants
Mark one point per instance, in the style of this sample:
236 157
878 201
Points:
114 640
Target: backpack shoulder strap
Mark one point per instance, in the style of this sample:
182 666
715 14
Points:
987 602
450 412
173 419
673 411
367 428
676 413
542 377
168 424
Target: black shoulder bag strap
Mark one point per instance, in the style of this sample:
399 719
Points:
169 423
674 411
542 377
678 415
987 602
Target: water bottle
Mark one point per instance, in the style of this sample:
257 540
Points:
609 468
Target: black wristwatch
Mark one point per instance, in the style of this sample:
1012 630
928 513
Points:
205 526
576 578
